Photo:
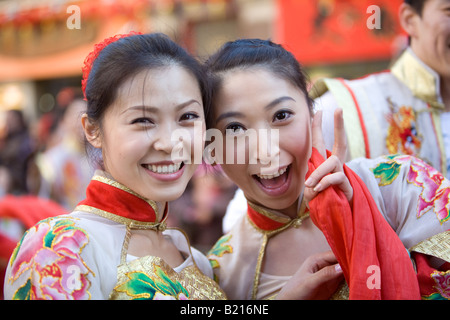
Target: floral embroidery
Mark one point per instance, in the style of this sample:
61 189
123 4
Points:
218 250
387 172
442 281
49 253
435 192
141 286
402 135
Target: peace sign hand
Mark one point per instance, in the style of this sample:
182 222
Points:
331 171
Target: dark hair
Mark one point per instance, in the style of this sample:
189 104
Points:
417 5
126 57
244 53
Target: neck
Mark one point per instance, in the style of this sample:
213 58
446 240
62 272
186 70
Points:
161 206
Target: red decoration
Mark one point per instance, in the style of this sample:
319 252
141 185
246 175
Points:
94 54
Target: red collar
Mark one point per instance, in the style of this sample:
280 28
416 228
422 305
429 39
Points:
112 200
267 221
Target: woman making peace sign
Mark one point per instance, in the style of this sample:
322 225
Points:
310 202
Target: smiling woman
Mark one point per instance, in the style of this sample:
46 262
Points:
139 89
366 212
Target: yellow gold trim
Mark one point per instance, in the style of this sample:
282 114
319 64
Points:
268 214
261 253
296 223
417 78
436 246
133 224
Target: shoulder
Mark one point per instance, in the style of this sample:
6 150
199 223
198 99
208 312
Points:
48 254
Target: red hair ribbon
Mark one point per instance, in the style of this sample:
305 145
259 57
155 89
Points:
86 69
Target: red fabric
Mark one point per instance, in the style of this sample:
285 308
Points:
363 241
261 221
117 201
434 283
29 209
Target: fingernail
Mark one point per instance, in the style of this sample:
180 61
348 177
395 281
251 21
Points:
308 182
338 268
318 187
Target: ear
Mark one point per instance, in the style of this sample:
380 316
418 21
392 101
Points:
409 20
91 131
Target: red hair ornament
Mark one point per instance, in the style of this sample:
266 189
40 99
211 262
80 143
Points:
86 69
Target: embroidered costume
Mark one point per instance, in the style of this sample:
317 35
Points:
408 194
399 111
83 255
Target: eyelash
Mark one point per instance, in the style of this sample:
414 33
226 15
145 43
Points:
142 121
286 112
192 116
234 124
147 121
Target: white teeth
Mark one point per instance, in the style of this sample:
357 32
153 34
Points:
271 176
166 169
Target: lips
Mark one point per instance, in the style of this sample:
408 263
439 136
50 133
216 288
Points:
274 184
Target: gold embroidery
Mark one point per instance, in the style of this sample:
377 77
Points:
268 214
156 270
436 246
133 224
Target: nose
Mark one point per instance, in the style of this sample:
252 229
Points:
268 145
267 149
163 139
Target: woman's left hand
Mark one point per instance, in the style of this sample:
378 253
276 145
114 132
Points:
331 171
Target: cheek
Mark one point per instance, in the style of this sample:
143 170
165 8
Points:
237 173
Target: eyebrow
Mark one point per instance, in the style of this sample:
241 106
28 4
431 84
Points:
155 109
235 114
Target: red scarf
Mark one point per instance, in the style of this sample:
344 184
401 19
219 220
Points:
375 263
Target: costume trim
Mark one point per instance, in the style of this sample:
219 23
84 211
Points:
436 246
357 137
420 80
269 224
360 117
122 206
436 122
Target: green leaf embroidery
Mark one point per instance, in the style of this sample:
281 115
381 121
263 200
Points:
387 172
220 248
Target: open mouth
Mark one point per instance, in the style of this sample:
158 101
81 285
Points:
164 169
276 182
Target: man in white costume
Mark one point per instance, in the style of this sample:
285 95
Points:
404 110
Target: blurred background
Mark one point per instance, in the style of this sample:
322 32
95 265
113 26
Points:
43 43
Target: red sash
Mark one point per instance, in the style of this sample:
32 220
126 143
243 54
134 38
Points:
375 263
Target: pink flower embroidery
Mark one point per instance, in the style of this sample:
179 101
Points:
49 254
435 189
442 280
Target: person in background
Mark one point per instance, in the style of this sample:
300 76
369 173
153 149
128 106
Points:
405 110
16 146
